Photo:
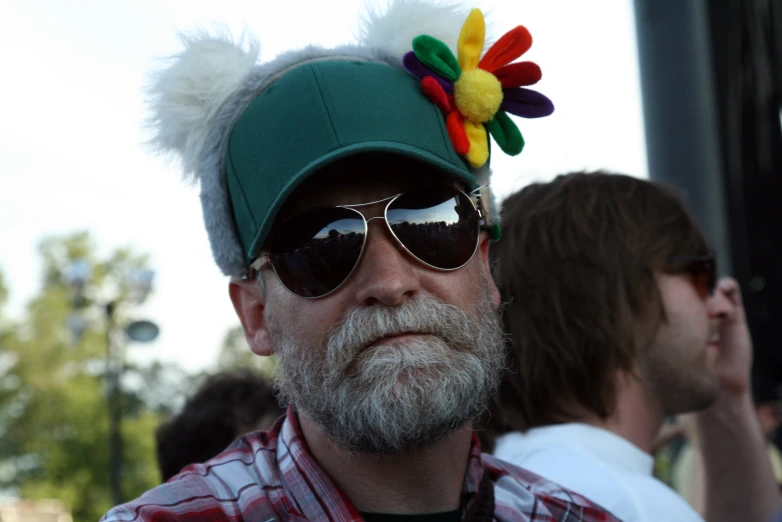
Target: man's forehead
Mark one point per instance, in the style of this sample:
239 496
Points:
361 179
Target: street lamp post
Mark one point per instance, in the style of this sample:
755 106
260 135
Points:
113 372
142 331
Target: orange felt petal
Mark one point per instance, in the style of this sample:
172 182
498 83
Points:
479 143
455 125
513 44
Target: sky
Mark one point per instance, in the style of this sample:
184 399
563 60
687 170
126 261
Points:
71 131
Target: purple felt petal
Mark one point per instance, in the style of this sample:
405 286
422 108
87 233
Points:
419 70
526 103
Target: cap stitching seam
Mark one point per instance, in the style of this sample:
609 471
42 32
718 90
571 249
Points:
232 173
325 106
273 77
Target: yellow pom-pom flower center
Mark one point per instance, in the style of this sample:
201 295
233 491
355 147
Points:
478 95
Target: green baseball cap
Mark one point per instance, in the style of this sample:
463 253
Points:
320 112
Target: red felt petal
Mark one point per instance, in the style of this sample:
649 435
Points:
518 74
455 125
513 44
435 92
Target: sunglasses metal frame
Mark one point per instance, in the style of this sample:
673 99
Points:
473 197
711 258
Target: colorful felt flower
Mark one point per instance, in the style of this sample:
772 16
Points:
475 93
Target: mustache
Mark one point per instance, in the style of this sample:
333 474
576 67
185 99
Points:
420 315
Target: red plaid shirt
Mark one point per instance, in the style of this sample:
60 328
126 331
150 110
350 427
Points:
267 476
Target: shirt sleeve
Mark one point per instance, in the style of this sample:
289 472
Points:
187 496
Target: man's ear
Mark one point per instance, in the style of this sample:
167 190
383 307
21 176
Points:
484 243
250 307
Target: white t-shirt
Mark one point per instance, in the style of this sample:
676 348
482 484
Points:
599 465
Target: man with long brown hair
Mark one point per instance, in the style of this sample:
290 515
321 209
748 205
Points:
617 321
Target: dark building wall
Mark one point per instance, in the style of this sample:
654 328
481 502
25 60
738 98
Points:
711 74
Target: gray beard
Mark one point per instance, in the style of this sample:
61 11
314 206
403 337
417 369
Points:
393 399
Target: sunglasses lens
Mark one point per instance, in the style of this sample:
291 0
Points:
315 252
704 275
701 281
439 226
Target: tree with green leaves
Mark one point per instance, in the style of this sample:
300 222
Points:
54 417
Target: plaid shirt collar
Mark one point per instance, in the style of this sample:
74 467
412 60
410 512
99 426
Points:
306 480
272 475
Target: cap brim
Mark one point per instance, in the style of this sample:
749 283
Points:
308 171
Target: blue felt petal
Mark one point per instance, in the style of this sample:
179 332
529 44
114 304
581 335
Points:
526 103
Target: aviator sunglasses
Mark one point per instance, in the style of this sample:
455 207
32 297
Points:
313 253
702 269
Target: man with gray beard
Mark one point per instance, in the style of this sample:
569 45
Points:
344 192
395 397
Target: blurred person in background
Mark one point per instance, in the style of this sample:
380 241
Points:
224 407
341 191
688 473
617 321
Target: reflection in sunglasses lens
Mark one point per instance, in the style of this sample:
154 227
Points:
314 252
438 226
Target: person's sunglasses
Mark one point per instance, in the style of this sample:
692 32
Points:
702 269
315 252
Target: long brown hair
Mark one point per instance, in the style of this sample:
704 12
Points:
576 268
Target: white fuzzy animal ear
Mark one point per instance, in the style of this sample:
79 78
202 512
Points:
186 97
394 28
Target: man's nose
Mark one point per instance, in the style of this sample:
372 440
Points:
718 304
386 273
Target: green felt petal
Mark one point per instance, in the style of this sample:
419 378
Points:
505 133
437 56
